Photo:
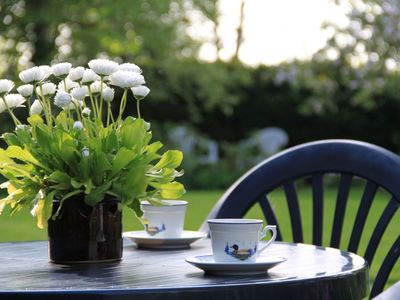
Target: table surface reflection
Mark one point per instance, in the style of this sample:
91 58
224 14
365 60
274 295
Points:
309 272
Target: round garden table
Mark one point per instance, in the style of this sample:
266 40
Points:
310 272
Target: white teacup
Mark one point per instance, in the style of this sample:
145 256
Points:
164 221
237 240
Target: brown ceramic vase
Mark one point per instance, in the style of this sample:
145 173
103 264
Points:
85 234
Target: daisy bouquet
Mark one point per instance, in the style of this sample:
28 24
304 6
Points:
71 143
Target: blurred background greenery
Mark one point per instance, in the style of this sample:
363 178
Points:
347 88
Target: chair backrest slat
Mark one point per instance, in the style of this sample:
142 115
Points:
386 268
363 210
293 204
270 215
318 208
341 201
380 228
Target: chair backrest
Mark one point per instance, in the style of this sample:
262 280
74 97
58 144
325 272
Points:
378 168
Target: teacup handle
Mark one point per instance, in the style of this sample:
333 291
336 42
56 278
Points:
263 233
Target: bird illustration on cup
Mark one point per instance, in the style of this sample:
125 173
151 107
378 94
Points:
240 253
153 230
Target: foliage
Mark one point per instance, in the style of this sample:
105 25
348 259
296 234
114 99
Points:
363 53
146 31
76 147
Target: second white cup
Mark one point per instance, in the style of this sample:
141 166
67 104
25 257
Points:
237 240
166 220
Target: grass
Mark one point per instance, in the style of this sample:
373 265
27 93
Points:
22 226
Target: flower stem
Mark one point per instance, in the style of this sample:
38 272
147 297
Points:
95 113
108 113
13 117
138 109
122 105
101 98
78 111
46 109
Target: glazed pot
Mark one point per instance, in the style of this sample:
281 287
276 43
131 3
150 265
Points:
85 234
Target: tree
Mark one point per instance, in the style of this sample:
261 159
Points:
362 57
43 31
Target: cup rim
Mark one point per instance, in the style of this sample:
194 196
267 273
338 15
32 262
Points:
233 221
166 203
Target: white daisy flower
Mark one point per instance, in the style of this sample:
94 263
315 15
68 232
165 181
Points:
86 111
85 152
47 88
140 91
89 76
103 67
12 100
74 104
108 94
36 108
62 99
126 79
61 69
25 90
69 83
21 127
76 74
130 67
46 70
5 86
34 74
95 87
77 125
80 93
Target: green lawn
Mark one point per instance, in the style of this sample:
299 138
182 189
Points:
23 227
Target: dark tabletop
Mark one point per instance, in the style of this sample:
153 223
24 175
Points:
310 272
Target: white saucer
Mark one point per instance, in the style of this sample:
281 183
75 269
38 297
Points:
143 240
209 266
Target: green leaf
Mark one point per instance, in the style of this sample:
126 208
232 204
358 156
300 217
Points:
63 121
42 209
44 138
35 120
59 177
5 158
170 159
62 180
76 184
165 176
135 206
49 204
123 157
111 141
88 186
70 156
97 194
24 136
69 195
100 166
11 139
22 154
171 190
154 147
134 181
133 133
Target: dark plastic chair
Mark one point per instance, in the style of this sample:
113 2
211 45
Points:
377 167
